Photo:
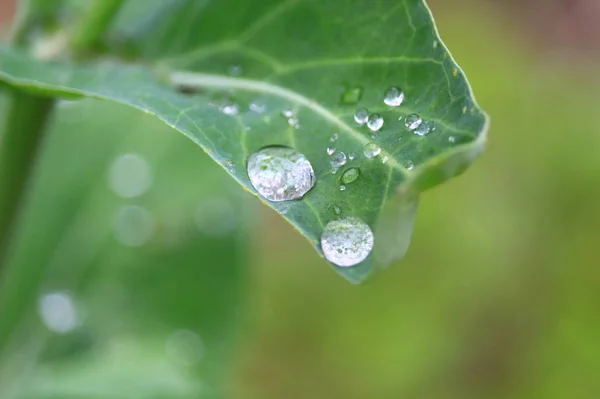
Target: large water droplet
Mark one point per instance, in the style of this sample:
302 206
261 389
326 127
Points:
133 226
393 97
280 173
375 122
361 116
372 150
338 159
347 242
352 95
58 312
350 175
129 176
413 121
423 129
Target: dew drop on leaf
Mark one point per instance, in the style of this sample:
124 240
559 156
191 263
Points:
372 150
394 97
230 109
330 150
352 95
361 116
375 122
423 129
338 159
257 107
288 113
350 175
347 242
410 165
413 121
342 187
337 210
451 139
280 173
334 137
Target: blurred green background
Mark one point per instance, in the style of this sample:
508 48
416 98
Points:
498 296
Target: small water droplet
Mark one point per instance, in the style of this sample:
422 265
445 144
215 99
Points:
351 156
435 44
230 109
58 312
257 107
384 159
361 116
350 175
423 129
235 70
129 176
352 95
455 72
293 122
133 226
342 187
185 347
410 165
337 210
375 122
280 173
347 242
288 113
413 121
338 159
372 150
334 170
394 97
330 150
334 138
451 139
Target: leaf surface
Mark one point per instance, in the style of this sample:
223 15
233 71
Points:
322 60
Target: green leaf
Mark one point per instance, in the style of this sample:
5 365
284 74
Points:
321 59
130 299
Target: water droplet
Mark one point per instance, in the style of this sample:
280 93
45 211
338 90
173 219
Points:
423 129
451 139
435 44
133 226
351 156
361 116
410 165
257 107
230 109
280 173
184 347
288 113
455 72
337 210
216 217
293 122
375 122
342 187
347 242
129 176
394 97
235 70
330 150
374 136
372 150
384 159
334 170
334 138
338 159
58 312
350 175
352 95
413 121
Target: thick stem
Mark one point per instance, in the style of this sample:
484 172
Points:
93 24
26 117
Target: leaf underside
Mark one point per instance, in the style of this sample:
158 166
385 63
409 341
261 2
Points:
303 55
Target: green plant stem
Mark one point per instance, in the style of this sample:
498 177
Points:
93 24
25 120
